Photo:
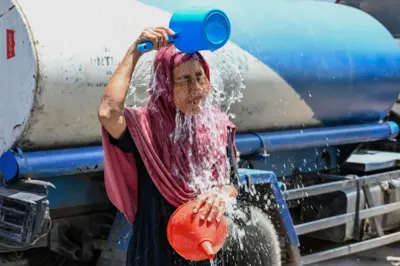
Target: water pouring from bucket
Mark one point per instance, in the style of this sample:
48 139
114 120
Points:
193 238
197 29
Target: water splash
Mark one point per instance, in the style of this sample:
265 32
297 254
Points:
226 79
138 92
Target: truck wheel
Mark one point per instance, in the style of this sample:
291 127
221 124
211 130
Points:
253 241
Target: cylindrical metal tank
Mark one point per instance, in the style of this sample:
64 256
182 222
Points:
303 63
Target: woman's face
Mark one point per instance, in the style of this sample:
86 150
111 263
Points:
191 87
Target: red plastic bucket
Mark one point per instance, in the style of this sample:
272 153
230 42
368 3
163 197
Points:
192 238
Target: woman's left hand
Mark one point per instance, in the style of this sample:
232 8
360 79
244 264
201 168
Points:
214 203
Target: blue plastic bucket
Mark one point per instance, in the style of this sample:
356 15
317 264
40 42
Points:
197 28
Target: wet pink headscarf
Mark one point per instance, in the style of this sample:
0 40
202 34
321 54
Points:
166 161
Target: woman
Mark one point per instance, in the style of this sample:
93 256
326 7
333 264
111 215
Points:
154 156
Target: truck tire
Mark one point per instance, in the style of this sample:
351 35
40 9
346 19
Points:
257 243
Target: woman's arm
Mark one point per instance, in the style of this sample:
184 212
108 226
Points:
110 112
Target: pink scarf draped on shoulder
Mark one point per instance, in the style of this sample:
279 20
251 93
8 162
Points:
166 161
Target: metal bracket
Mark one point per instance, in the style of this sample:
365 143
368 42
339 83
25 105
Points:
374 221
264 154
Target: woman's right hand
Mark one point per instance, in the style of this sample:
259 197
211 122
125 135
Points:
158 36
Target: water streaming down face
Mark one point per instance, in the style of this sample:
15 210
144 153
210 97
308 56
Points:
199 108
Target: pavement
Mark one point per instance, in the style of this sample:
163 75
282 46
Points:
382 256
